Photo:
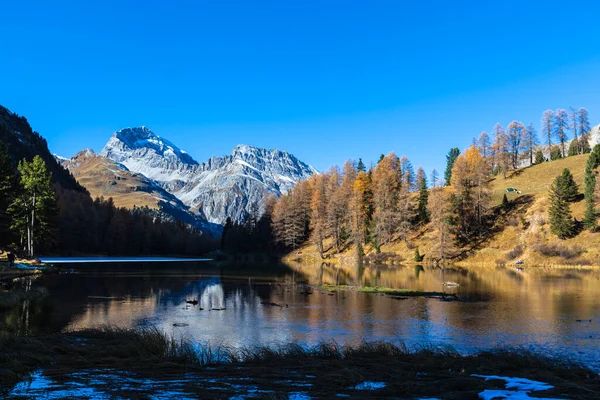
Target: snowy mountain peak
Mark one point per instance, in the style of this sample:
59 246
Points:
141 141
230 186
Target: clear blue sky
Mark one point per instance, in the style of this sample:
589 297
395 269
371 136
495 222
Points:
325 80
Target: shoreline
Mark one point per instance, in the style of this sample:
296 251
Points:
324 370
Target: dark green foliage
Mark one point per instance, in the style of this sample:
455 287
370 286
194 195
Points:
423 198
7 191
450 159
561 222
253 236
584 145
567 186
381 157
539 157
418 256
361 165
574 148
590 216
555 153
505 202
34 205
86 226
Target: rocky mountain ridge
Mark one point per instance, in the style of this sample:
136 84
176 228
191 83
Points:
234 185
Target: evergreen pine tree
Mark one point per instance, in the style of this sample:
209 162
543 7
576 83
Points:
423 199
539 157
561 222
505 203
590 216
450 159
567 186
35 205
573 148
555 153
7 192
584 145
361 166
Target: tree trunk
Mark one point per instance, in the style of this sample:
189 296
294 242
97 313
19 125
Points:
32 226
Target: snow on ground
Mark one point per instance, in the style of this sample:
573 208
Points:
521 388
368 385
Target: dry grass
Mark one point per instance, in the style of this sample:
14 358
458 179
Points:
330 368
520 233
102 177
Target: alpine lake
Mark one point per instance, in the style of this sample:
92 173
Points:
549 311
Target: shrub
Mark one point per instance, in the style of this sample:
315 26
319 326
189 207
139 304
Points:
559 250
512 221
514 253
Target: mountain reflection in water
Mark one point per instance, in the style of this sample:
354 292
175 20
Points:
536 308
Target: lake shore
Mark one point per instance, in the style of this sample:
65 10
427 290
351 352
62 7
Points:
325 370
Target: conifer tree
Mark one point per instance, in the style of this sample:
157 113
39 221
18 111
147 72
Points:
590 216
505 202
516 140
583 123
35 205
318 207
361 166
574 146
470 195
386 187
555 153
531 141
7 192
561 222
450 159
539 157
547 119
423 200
434 178
361 208
584 144
501 150
439 214
567 186
407 174
483 144
559 126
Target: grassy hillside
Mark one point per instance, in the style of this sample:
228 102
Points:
521 233
103 178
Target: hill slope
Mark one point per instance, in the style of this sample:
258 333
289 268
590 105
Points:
22 142
103 177
521 233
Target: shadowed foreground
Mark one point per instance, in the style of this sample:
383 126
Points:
147 363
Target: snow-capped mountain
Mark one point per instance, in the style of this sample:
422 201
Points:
103 177
229 186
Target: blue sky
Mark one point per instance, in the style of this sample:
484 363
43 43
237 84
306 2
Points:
325 80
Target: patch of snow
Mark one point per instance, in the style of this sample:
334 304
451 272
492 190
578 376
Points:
369 385
60 158
521 388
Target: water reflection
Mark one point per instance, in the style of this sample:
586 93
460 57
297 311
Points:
501 307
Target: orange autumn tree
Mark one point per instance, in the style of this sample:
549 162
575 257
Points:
361 208
470 197
386 187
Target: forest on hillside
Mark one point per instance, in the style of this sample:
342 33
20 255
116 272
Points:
355 206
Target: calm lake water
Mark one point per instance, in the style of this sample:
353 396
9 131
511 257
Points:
536 308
